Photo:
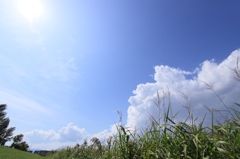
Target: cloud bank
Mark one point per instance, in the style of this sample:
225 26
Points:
66 136
180 83
220 77
69 133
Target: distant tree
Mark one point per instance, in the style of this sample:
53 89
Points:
5 132
19 144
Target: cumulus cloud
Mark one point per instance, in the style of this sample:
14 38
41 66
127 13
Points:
218 76
172 84
40 136
105 134
66 136
70 133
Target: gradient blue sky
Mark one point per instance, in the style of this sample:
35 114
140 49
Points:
70 68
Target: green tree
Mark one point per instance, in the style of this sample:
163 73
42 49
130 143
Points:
5 132
19 144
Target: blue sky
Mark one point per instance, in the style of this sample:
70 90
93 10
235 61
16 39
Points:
66 71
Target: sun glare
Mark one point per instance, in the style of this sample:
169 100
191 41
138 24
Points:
30 9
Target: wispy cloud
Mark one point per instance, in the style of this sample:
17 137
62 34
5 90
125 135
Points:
29 81
24 111
20 103
59 69
42 68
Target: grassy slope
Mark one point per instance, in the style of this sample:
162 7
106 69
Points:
9 153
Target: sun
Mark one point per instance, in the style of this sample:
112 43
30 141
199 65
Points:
30 9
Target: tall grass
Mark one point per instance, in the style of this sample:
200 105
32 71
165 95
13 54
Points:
167 139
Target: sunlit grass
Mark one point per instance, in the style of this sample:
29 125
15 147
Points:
167 139
10 153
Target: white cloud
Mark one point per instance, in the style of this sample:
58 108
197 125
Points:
219 76
66 136
40 136
105 134
71 134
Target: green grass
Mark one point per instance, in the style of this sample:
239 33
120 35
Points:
166 138
163 139
9 153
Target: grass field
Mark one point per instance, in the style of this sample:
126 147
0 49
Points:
165 138
9 153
